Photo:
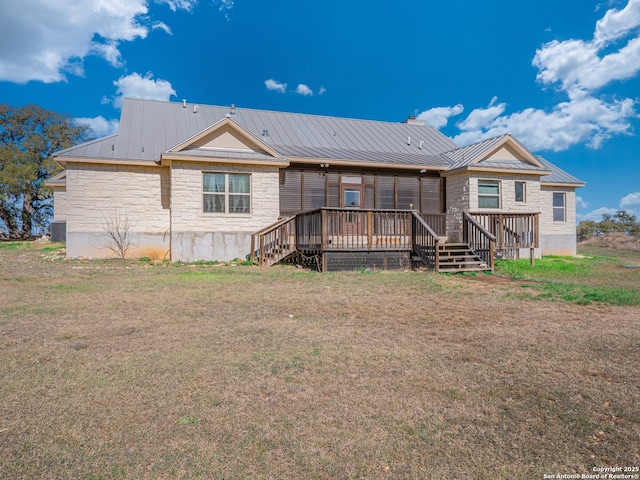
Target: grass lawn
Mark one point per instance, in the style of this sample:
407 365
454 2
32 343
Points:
126 369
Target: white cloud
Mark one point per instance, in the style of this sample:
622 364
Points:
596 214
438 117
274 85
224 6
174 5
137 86
584 119
162 26
580 64
41 40
99 125
303 89
580 203
617 23
579 68
630 201
46 40
322 90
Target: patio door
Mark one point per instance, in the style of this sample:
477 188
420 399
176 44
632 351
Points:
352 196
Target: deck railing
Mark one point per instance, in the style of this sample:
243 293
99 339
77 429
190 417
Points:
341 229
272 244
513 231
424 241
436 221
479 239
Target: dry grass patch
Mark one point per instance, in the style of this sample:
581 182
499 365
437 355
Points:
127 370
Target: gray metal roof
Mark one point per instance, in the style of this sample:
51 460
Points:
149 128
558 175
463 156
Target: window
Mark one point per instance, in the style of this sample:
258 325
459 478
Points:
520 191
226 192
488 194
559 202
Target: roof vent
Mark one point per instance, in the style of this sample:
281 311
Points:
233 109
421 144
195 108
265 133
184 103
408 140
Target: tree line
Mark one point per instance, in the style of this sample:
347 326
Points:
620 222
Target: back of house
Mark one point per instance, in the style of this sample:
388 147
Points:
195 182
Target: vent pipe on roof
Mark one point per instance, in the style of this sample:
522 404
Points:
184 103
408 140
195 109
233 109
421 143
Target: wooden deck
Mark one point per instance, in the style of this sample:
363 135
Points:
343 239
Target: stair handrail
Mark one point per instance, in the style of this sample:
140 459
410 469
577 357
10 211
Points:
424 240
259 247
479 239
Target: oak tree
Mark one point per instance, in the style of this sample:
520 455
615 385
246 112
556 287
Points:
28 137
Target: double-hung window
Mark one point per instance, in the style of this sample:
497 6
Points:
488 194
559 207
226 192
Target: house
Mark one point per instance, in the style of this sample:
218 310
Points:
194 182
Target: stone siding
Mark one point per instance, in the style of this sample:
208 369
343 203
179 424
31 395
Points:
198 235
97 194
558 238
60 204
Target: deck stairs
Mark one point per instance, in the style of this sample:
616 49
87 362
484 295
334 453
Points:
278 253
459 257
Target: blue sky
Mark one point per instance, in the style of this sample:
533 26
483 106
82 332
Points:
563 76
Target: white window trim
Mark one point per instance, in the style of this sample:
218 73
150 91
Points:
564 207
226 193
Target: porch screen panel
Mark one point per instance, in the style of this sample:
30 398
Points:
314 190
431 195
369 192
290 191
408 193
385 192
333 181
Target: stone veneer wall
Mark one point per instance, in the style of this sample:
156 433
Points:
60 204
558 238
462 195
98 193
196 235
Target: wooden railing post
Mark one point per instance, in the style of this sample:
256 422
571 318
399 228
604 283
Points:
261 259
323 229
369 230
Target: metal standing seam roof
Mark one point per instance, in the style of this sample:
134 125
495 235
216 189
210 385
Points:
150 128
558 175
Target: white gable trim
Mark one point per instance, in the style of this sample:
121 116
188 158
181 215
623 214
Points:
226 122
